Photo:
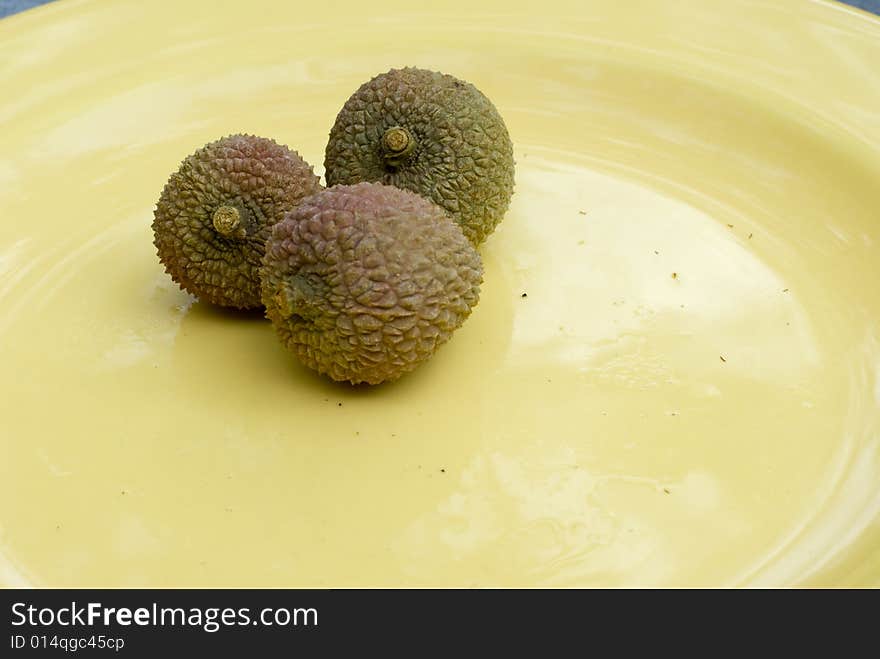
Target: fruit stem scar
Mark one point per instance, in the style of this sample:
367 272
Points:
296 297
396 139
398 143
283 303
227 222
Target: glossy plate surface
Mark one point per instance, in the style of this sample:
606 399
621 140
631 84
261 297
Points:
687 394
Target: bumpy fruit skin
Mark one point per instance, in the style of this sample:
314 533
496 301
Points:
430 133
213 218
364 282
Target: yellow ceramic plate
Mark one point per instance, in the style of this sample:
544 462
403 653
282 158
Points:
688 395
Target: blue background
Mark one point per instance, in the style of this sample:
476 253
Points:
868 5
12 6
